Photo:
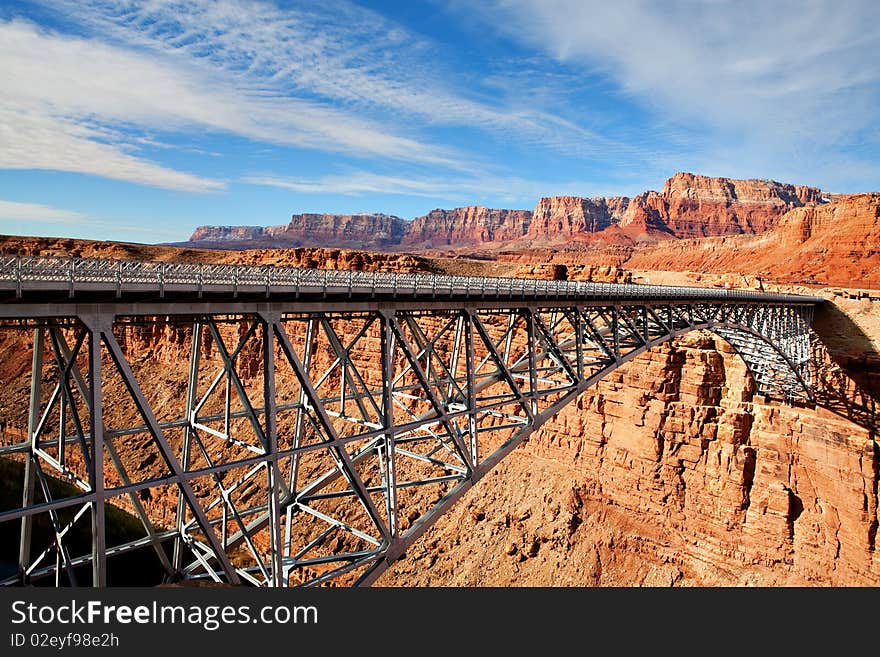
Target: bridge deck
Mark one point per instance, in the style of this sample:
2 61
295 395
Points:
28 282
368 403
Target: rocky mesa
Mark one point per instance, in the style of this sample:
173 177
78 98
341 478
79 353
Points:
468 226
836 243
700 206
688 206
365 231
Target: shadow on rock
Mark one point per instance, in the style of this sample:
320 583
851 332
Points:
846 368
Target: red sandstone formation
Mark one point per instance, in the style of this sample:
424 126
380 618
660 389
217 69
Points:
559 218
700 206
363 231
668 473
470 226
836 243
688 206
234 233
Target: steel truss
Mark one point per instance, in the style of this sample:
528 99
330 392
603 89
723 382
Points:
313 447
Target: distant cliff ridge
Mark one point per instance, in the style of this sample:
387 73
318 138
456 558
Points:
688 206
468 226
376 231
235 233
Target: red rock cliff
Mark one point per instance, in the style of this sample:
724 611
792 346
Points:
234 233
700 206
469 226
563 217
344 230
667 473
358 231
836 243
688 206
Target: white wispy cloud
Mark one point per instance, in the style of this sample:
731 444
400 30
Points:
338 52
361 182
32 140
783 71
468 190
39 213
19 218
58 95
70 103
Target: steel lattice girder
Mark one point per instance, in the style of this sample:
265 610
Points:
309 447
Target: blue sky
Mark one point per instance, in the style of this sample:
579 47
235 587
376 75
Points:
138 121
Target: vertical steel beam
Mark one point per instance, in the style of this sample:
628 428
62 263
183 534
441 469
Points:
457 347
615 331
95 402
529 315
389 451
470 366
188 429
298 428
30 480
273 474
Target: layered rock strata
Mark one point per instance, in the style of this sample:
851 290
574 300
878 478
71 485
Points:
688 206
667 473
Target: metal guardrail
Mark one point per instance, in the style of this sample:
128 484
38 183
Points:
43 272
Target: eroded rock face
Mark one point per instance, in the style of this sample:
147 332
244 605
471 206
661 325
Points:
469 226
700 206
310 230
688 206
836 243
234 233
667 473
562 217
706 188
357 230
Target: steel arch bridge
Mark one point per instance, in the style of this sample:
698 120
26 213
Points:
308 425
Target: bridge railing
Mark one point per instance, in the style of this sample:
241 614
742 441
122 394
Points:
17 271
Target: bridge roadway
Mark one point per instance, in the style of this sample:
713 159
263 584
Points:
53 282
378 400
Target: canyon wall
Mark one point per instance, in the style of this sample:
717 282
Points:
669 472
688 206
701 206
470 226
837 243
362 231
564 217
236 233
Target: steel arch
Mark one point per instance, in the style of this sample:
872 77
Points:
354 425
